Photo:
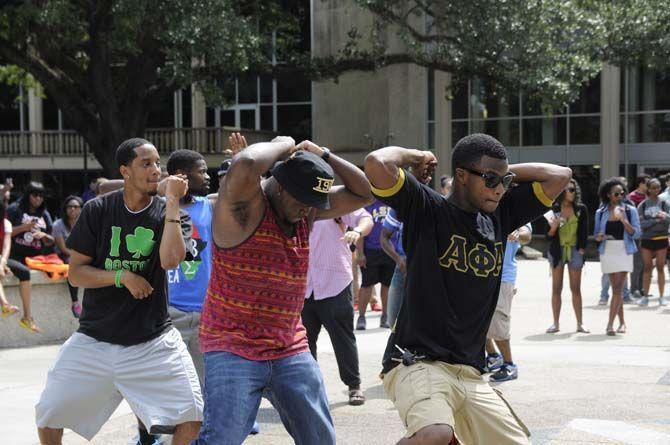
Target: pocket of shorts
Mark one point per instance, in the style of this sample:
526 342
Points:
411 388
518 420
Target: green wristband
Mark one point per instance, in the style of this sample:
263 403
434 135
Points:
117 278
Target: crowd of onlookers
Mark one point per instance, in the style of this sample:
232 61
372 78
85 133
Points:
29 231
631 230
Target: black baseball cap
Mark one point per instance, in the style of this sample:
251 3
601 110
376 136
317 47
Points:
223 169
307 177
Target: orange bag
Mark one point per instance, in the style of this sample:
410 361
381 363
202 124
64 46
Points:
50 264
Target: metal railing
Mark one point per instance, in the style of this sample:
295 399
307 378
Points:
69 143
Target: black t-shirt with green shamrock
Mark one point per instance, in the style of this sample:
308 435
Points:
117 238
454 264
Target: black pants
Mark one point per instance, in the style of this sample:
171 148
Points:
19 269
336 314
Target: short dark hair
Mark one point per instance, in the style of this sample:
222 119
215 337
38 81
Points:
125 152
608 185
183 160
469 150
64 208
642 179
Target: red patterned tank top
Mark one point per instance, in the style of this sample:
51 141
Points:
256 294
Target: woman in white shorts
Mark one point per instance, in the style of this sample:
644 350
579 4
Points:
617 226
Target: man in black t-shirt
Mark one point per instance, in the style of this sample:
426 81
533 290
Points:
455 249
126 346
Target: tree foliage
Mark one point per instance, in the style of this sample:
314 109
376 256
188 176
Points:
547 49
105 62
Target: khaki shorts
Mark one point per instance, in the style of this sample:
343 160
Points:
500 328
437 393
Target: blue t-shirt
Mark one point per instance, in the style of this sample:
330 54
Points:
187 284
378 210
509 264
391 223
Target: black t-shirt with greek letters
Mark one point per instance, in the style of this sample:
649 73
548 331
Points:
454 262
117 238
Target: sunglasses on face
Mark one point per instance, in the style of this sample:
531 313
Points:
493 180
617 194
73 207
37 195
571 189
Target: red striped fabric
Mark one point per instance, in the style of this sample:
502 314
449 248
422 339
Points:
256 294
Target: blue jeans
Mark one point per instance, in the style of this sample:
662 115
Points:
396 296
235 385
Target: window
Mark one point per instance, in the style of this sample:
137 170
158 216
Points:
518 120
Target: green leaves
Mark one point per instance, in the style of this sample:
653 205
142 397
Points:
547 49
141 243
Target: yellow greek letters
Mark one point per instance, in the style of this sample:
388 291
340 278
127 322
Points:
455 255
479 259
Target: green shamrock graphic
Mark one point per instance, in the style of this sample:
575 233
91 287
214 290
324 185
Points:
141 243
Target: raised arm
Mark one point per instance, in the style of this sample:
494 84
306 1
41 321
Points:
552 178
239 206
381 166
354 194
172 249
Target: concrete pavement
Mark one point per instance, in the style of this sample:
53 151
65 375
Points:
572 388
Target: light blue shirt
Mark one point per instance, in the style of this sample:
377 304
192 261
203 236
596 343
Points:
187 284
509 270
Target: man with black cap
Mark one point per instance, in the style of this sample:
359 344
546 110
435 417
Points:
254 342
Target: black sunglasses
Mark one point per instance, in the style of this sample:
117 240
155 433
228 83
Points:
493 180
73 207
617 194
571 189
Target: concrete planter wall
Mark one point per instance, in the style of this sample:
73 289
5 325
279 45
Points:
50 309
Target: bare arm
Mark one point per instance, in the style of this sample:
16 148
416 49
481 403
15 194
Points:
82 274
381 166
552 178
110 186
172 249
21 228
60 242
363 228
6 247
525 235
387 245
354 194
240 205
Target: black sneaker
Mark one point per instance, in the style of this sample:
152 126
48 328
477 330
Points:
509 371
383 322
360 324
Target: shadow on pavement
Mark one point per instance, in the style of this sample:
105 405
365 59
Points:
598 307
549 337
599 337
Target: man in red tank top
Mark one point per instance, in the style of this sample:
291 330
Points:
251 333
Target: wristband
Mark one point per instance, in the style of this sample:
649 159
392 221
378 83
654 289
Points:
170 220
117 278
326 154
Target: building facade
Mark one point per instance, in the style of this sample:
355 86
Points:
619 125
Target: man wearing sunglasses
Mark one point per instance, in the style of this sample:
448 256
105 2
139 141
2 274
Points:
455 247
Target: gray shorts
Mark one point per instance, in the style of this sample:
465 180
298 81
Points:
90 379
188 325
